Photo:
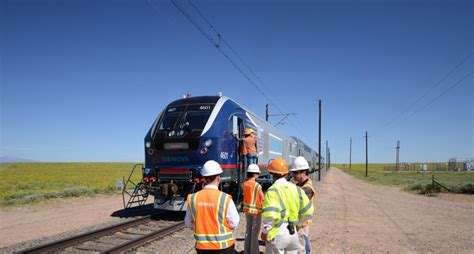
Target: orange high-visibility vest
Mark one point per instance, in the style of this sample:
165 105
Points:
253 197
209 209
250 145
308 185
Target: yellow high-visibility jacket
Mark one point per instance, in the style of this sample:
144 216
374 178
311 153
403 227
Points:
285 202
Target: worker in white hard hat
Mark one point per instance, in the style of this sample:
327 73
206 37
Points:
212 214
253 208
300 171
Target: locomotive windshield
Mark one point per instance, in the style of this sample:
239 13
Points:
196 120
179 120
171 117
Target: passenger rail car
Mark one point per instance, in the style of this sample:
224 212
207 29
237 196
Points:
192 130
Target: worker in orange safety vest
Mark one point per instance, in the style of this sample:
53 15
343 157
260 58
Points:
253 208
250 147
212 214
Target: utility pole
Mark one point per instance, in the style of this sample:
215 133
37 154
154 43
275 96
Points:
266 112
397 165
366 154
350 154
327 157
319 146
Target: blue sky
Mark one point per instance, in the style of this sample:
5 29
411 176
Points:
84 80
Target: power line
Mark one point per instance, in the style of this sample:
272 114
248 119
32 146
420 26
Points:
427 92
440 95
443 93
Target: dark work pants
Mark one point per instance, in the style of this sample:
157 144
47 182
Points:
230 250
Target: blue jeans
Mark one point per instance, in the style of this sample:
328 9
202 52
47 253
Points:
303 238
251 158
306 244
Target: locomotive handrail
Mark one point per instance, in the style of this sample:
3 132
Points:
131 173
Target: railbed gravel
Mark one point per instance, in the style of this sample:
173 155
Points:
182 241
32 243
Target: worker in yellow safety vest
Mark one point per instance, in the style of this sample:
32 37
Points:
300 171
212 214
285 207
253 208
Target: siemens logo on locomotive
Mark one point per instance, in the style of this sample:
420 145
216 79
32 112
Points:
174 159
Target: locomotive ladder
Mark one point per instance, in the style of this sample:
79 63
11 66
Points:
136 194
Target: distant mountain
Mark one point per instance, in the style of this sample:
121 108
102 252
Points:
14 159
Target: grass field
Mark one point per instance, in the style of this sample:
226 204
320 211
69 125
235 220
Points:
420 182
411 166
24 183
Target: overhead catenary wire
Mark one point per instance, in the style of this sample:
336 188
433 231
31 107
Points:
218 42
247 66
234 51
217 45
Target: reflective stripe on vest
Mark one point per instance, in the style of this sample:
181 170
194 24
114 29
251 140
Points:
281 210
285 203
308 185
252 199
211 230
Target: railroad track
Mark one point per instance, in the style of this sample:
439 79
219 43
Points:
113 239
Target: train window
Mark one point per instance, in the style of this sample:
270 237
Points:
175 109
197 120
169 120
229 125
171 116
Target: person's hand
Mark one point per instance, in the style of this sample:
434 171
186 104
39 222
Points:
264 237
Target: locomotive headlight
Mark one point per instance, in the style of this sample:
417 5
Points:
148 144
208 143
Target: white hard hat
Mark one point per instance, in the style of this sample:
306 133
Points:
253 168
211 168
300 163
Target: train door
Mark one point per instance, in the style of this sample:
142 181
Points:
238 130
265 155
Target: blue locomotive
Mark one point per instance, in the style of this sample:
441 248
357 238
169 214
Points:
192 130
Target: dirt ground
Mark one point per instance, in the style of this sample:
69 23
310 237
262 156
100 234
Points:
19 224
354 216
351 216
